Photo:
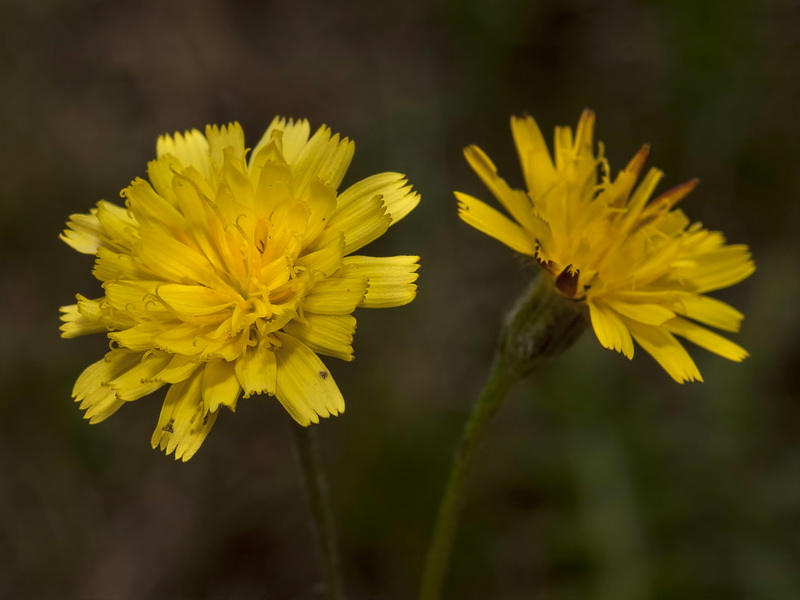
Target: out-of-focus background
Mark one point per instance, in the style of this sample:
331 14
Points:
600 478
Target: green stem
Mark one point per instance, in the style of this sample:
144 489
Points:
494 391
542 325
327 546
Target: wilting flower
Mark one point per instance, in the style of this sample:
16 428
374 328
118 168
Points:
638 264
226 275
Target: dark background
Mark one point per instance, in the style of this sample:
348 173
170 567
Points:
600 478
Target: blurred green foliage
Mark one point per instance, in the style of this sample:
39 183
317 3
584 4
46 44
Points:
600 478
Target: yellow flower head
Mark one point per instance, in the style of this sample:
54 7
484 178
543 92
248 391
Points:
638 264
226 275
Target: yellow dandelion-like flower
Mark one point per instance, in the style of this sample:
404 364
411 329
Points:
226 275
638 264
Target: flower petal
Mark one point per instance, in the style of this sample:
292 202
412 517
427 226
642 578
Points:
650 314
336 295
179 368
100 404
192 300
256 369
718 269
398 197
305 387
390 279
360 222
172 260
84 233
516 202
320 200
81 318
610 330
119 227
152 207
184 422
111 265
97 398
190 148
537 165
139 338
331 335
227 138
641 195
327 259
667 351
324 157
220 385
710 311
486 219
293 135
706 339
139 380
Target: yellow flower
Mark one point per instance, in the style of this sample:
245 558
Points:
226 275
638 264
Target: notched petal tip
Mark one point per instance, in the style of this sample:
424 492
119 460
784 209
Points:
689 378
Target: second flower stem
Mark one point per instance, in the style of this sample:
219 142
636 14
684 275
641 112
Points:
318 498
497 386
542 325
